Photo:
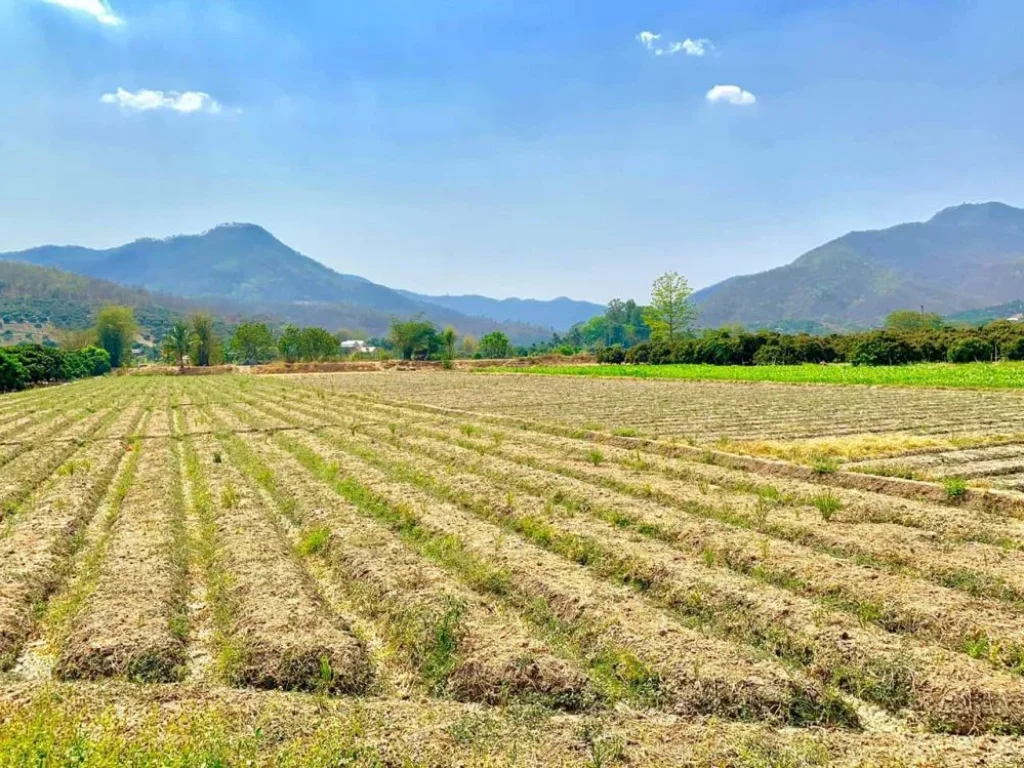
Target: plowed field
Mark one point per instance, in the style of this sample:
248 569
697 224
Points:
434 569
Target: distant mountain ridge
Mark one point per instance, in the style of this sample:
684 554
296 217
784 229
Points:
561 313
965 257
245 264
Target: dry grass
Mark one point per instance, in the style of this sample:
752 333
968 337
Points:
507 571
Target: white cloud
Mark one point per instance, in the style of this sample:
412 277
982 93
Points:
98 9
144 100
695 47
649 40
731 94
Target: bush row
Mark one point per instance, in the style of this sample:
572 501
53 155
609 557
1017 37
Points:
27 364
997 341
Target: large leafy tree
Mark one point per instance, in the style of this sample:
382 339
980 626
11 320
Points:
316 344
416 338
910 320
115 332
494 345
671 312
252 343
177 343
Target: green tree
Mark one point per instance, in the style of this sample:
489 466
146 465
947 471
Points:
12 373
494 345
115 332
252 343
671 313
909 320
177 343
449 338
316 344
205 344
469 345
414 339
289 343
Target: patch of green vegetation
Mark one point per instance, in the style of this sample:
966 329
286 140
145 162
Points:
314 542
956 489
827 503
1002 375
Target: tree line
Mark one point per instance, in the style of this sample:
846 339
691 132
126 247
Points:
24 365
908 337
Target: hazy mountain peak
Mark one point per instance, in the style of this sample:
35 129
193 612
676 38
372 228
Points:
978 214
965 257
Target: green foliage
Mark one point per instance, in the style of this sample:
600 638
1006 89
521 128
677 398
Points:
882 349
494 345
252 343
289 343
314 542
909 320
971 350
317 345
177 343
115 332
415 339
671 313
956 488
205 343
448 338
828 504
12 372
971 375
26 364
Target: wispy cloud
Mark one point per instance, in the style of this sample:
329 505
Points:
145 100
699 47
731 94
98 9
648 40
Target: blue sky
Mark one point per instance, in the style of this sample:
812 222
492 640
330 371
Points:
511 147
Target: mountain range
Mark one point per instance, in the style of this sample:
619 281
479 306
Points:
247 266
965 257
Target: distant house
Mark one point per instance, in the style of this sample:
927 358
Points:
1016 318
356 345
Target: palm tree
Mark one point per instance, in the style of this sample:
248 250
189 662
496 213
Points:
177 343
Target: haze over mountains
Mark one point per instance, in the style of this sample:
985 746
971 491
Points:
965 257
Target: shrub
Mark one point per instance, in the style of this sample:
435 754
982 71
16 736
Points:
882 349
614 354
639 354
12 373
970 351
1014 350
956 488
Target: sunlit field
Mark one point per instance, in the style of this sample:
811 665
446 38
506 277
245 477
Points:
977 375
399 569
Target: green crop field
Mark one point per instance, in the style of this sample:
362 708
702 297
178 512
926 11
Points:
974 375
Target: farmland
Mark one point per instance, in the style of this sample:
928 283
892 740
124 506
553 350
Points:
439 568
971 375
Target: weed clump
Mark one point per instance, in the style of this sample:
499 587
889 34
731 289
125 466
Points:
828 504
956 489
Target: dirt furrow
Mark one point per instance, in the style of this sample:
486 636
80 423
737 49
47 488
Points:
128 624
279 633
